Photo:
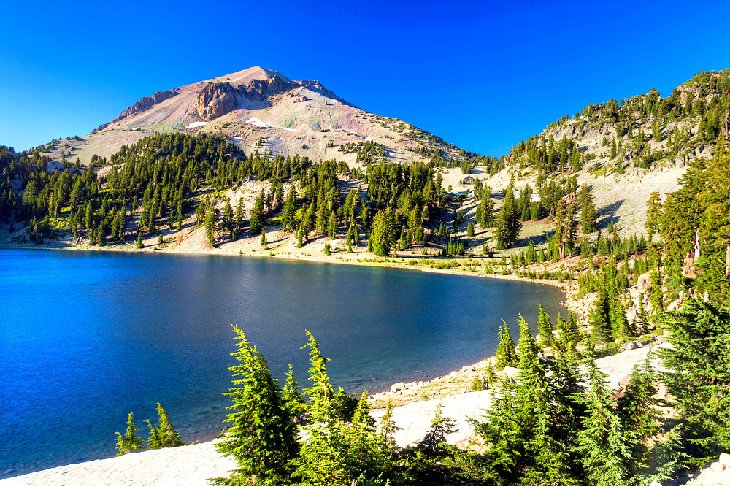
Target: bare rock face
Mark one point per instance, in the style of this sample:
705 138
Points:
215 100
142 105
262 89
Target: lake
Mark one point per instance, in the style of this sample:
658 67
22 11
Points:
86 337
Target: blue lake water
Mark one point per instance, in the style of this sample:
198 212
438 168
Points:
87 337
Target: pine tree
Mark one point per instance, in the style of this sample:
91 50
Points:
256 223
210 224
485 209
518 427
700 378
322 454
163 434
434 442
332 225
263 237
262 435
599 317
506 355
291 395
380 236
565 227
653 215
619 323
588 211
508 223
130 441
639 416
602 442
544 327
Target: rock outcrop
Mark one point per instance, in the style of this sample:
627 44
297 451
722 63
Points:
215 100
142 105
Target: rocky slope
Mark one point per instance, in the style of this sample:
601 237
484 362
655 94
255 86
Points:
262 110
625 150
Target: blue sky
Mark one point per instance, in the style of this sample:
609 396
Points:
482 75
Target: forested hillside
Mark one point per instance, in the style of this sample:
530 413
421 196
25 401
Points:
170 181
644 131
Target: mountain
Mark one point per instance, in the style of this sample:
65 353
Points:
627 149
645 131
262 110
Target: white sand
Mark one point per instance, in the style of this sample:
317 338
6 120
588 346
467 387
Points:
194 464
183 466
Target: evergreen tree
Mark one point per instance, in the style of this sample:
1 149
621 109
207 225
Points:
323 453
699 360
508 222
485 209
130 441
256 223
544 327
262 435
380 236
599 317
506 355
588 211
291 395
639 416
653 215
163 434
210 223
565 227
602 442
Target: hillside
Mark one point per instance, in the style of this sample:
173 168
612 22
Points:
624 149
261 110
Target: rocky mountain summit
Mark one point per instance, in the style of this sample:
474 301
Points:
262 110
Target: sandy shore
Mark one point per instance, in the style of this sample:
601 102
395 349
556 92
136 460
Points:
194 464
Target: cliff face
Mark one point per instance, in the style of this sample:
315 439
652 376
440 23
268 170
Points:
215 100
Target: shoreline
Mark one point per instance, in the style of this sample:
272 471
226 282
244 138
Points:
357 259
193 464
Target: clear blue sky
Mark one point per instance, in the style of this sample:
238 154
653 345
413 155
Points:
482 75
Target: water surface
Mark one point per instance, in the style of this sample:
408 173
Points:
86 337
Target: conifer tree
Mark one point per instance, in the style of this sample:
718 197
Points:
291 395
508 222
653 215
602 442
544 327
380 236
639 416
506 355
588 211
256 222
163 434
130 441
322 459
599 317
699 360
262 435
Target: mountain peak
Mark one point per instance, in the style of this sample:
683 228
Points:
245 76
